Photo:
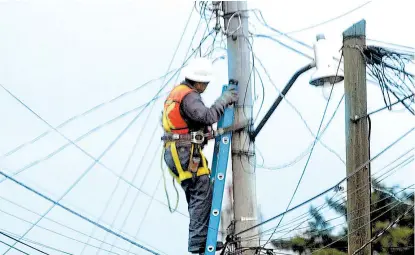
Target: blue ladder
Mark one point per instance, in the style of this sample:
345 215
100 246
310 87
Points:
219 165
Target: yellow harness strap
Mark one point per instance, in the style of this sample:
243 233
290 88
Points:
184 175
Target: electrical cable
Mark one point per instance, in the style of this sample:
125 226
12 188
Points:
76 213
332 187
351 193
384 108
37 243
150 202
354 191
114 190
364 225
328 21
80 138
298 112
88 169
83 174
66 122
393 44
25 244
142 130
12 247
309 157
263 21
140 165
60 224
306 151
283 44
370 213
343 215
95 160
52 231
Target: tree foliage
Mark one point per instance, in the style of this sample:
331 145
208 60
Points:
387 204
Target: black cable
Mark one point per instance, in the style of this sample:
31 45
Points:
330 20
25 244
12 247
56 203
385 107
342 215
139 167
349 233
393 44
58 223
311 152
39 244
334 186
388 67
142 132
305 152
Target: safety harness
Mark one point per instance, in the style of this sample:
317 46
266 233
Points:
196 139
177 131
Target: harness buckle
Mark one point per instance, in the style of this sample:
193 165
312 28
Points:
197 137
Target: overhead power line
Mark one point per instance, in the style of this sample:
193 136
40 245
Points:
332 187
96 160
329 20
37 243
393 44
77 146
25 244
77 214
309 156
298 112
60 224
349 233
73 118
280 33
384 230
142 130
308 149
80 138
11 247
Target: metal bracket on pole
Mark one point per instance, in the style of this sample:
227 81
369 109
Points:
219 166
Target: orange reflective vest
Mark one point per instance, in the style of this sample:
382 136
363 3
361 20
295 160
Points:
173 121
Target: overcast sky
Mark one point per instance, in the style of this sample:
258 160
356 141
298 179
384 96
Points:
64 57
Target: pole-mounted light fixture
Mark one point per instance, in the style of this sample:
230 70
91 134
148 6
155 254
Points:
325 75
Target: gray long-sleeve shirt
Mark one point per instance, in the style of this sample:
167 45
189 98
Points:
196 114
198 117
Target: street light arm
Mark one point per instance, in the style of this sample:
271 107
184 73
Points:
274 106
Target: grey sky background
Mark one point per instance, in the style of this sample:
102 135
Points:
64 57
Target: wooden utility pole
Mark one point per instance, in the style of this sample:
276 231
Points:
357 143
239 68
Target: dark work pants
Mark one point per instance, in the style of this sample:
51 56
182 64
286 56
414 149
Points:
199 198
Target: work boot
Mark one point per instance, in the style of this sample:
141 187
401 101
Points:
201 250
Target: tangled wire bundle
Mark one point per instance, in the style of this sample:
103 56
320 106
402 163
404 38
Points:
388 68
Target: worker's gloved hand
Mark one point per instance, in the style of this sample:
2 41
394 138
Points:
228 97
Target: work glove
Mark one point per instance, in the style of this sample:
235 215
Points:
228 97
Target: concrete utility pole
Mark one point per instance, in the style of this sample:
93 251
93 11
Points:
357 143
244 188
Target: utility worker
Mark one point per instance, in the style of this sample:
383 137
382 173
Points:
187 122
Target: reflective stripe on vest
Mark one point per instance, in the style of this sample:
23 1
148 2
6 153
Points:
173 122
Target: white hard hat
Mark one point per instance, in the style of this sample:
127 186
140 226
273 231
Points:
199 70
